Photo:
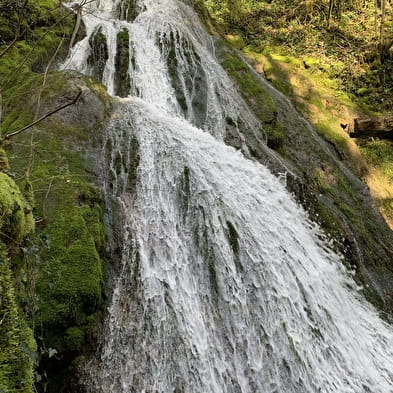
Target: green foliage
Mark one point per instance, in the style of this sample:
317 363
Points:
379 153
347 46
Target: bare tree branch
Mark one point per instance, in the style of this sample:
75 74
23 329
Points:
78 10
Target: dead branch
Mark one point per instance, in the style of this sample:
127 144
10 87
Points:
78 10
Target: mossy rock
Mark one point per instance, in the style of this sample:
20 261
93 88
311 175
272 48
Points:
128 10
16 219
4 164
67 250
17 345
122 64
46 28
99 53
259 99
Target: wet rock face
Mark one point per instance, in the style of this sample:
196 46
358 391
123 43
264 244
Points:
99 54
187 77
122 64
128 10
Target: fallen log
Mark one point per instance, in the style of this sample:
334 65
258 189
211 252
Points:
381 127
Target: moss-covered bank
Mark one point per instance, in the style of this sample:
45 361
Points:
60 274
17 345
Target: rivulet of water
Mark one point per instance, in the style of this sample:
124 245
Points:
225 286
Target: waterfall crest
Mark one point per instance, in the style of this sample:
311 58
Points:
225 285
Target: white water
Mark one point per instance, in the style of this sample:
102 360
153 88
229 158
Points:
225 286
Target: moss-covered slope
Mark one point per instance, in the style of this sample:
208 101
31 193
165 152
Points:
64 256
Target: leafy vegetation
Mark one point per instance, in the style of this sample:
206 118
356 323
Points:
348 46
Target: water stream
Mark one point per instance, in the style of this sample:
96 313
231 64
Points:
225 286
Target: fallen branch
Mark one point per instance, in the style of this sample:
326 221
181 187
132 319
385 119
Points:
17 132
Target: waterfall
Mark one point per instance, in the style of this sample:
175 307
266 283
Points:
224 284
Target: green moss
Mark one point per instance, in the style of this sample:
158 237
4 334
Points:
65 253
16 220
70 240
3 160
75 338
17 345
379 153
236 41
70 285
259 98
44 27
330 133
275 136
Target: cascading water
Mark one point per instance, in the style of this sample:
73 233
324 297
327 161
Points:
224 285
